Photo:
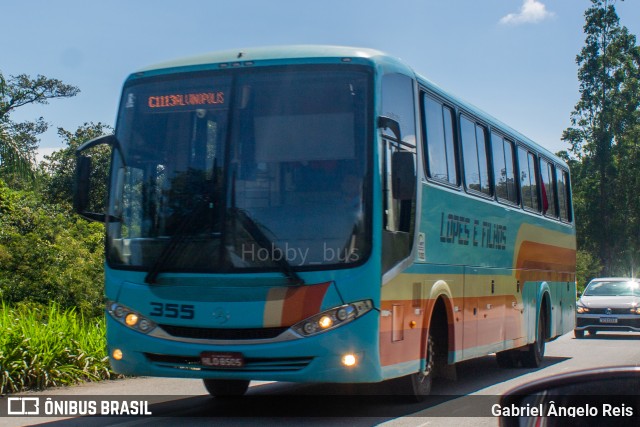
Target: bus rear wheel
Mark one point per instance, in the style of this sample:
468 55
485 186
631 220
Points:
532 357
416 387
224 389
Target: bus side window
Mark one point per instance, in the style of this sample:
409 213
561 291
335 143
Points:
399 212
439 141
528 180
474 153
503 169
562 178
548 189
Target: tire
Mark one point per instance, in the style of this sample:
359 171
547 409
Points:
532 357
224 389
507 359
416 387
578 333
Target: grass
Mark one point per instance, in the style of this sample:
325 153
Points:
46 347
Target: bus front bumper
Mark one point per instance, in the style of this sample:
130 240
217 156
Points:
319 358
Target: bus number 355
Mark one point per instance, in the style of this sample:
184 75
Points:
172 311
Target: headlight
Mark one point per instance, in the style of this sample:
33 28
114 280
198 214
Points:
581 309
332 318
635 310
130 318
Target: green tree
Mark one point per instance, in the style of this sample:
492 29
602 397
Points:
59 167
599 132
587 268
48 255
18 141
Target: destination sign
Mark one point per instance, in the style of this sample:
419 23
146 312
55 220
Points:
186 100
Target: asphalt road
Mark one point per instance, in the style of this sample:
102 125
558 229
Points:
478 385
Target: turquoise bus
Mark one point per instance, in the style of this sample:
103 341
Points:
324 214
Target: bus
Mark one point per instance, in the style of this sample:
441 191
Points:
323 214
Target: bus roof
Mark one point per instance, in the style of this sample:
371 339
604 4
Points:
306 53
271 53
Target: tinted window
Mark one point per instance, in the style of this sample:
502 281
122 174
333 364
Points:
397 104
528 179
440 150
209 162
399 212
563 194
548 189
474 153
503 170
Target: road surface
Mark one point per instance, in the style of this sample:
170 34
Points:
185 402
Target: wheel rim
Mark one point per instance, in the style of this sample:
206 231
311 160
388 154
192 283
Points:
429 361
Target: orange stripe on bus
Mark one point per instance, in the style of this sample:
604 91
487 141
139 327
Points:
288 306
540 256
302 302
411 348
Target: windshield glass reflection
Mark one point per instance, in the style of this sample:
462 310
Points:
613 288
242 171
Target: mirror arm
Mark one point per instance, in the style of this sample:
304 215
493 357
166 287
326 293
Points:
385 122
104 139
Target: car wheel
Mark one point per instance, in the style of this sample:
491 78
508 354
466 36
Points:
578 333
224 389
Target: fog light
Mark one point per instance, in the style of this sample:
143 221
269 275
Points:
349 360
131 319
325 322
117 354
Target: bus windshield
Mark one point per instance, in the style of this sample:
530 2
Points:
242 169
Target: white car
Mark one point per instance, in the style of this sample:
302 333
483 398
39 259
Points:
609 304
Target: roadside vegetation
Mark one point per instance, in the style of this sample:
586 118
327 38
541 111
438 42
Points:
47 346
51 261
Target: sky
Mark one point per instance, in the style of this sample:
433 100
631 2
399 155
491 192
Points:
515 59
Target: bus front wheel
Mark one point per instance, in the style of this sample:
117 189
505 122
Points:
222 389
416 387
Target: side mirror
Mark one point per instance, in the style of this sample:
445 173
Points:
82 187
385 122
403 175
82 184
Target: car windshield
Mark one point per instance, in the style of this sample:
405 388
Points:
613 288
242 169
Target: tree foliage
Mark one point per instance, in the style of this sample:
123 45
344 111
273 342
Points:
19 140
604 140
59 167
47 254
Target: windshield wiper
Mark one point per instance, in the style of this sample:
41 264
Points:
261 238
174 242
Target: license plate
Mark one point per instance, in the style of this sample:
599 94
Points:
222 360
608 320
